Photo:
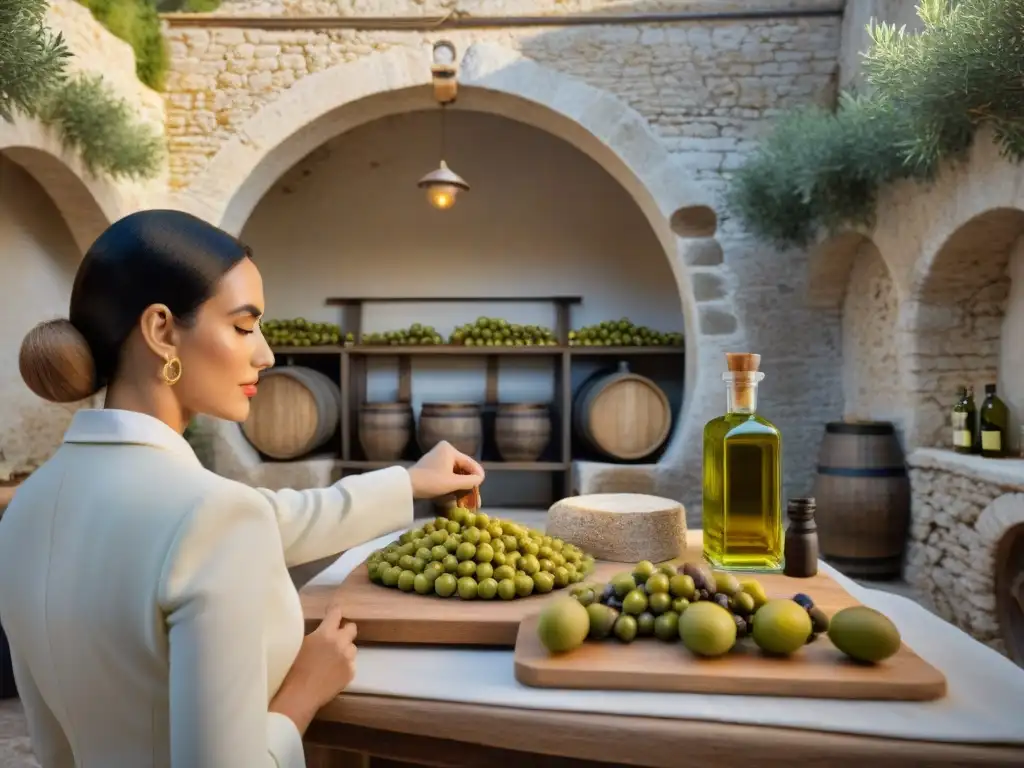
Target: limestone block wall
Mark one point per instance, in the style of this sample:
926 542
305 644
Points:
962 507
707 90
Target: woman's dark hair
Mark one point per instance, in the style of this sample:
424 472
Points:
149 257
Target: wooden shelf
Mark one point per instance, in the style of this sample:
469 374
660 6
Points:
474 351
489 466
352 363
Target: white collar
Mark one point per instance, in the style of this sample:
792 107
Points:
113 426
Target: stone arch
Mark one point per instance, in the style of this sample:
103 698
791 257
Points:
849 273
87 204
954 318
501 81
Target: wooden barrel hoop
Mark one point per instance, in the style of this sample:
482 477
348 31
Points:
1009 580
522 431
385 430
622 415
863 499
461 424
295 412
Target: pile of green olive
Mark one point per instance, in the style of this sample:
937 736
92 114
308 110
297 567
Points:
474 556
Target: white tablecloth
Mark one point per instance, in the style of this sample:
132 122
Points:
984 704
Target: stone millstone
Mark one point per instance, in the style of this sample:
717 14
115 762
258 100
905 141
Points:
621 527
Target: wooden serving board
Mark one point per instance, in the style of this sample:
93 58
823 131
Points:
818 670
388 615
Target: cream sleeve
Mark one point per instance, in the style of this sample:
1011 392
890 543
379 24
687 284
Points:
323 522
213 591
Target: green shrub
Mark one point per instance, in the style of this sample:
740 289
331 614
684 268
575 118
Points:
102 129
138 24
33 59
930 93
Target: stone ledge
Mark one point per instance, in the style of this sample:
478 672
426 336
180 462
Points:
1006 473
599 477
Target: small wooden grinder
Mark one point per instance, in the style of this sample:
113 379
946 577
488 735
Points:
744 386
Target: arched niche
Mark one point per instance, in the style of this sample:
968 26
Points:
955 318
501 81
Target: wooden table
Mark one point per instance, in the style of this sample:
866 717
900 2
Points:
367 731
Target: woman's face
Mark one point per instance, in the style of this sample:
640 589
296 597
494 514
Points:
223 353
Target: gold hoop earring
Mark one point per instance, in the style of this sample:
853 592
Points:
171 371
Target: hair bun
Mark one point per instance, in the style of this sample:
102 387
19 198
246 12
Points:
57 364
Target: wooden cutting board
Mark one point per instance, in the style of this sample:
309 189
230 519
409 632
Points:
818 670
388 615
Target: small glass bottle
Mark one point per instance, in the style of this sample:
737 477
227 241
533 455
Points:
742 504
972 422
993 421
801 539
962 437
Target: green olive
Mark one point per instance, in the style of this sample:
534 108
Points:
445 585
645 624
466 551
666 627
507 589
543 582
680 604
423 584
659 602
486 589
484 553
642 571
658 582
625 628
484 571
635 602
390 577
438 552
467 588
524 585
450 563
466 568
682 585
423 553
406 580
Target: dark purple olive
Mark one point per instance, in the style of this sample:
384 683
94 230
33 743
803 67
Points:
802 599
607 592
741 626
722 600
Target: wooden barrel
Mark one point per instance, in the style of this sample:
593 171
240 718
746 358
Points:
295 411
522 431
385 430
1009 572
863 497
458 423
621 414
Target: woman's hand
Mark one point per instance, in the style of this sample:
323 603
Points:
326 664
442 471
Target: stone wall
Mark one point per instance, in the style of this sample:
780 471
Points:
708 90
871 386
950 248
962 506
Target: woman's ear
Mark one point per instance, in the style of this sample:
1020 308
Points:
159 331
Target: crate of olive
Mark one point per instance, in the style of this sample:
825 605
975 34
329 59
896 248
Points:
299 332
690 629
470 555
622 333
415 335
496 332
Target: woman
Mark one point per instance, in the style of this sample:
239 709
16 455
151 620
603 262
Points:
147 601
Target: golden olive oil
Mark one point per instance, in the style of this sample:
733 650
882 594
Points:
742 505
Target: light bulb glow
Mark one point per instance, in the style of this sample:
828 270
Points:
442 196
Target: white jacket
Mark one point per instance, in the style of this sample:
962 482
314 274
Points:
147 600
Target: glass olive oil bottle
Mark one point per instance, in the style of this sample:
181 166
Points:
742 508
993 421
963 423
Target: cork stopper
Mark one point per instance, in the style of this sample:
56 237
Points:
742 362
744 388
